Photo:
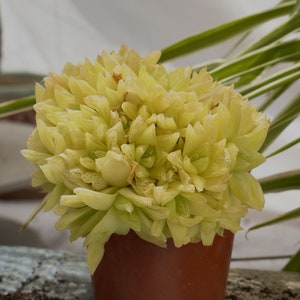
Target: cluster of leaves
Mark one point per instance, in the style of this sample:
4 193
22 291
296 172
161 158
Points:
264 69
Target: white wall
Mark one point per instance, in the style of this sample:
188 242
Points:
41 35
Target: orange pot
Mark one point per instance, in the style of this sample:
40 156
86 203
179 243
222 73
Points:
135 269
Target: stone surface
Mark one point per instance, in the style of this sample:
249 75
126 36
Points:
259 285
33 273
40 274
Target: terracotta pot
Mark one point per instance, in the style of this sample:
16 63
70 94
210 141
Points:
135 269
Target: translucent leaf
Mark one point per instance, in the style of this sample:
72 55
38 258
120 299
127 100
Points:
94 199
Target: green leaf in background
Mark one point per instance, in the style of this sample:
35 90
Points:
12 107
289 180
285 147
257 60
294 264
297 7
292 24
273 96
293 214
287 115
220 33
272 82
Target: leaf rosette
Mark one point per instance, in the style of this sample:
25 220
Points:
124 144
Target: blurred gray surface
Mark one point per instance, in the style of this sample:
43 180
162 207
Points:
31 273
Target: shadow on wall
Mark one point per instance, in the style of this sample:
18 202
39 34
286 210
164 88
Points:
11 235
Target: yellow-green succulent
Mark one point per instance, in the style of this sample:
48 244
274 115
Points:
124 144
